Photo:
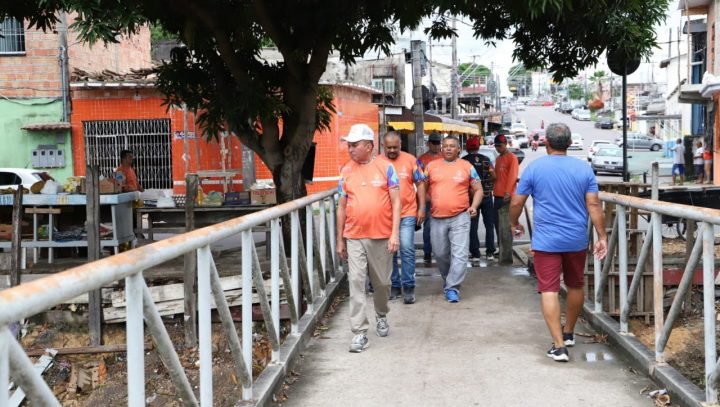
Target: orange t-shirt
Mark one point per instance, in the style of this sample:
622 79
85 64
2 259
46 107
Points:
449 184
506 172
427 158
368 212
131 181
409 173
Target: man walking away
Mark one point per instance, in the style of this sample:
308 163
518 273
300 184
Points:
450 180
484 168
432 154
564 192
678 168
368 218
506 171
410 175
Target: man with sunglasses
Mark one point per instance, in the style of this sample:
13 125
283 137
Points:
432 154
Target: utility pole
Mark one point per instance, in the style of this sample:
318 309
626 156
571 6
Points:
417 144
454 106
434 107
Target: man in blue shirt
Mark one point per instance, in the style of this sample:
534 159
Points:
564 191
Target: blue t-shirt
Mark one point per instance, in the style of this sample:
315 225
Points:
558 185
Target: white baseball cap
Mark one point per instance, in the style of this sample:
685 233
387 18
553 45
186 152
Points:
359 132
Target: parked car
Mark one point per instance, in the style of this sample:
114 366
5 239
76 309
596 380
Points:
640 141
491 153
520 107
608 160
598 144
11 177
547 103
522 141
577 142
541 136
518 128
511 141
574 113
566 108
604 123
583 114
489 139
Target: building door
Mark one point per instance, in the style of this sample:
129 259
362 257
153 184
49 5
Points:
149 140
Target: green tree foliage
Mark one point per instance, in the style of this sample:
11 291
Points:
221 74
576 91
471 73
520 80
597 78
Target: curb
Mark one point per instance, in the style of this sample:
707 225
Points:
274 374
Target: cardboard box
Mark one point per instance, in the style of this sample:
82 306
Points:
263 196
106 185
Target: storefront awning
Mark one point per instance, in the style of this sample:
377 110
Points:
404 122
691 94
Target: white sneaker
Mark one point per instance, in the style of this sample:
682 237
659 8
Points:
359 343
382 328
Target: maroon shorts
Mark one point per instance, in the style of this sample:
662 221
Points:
549 267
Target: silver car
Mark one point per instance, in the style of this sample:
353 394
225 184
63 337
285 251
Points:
639 141
609 160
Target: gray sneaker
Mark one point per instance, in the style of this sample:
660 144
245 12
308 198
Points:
382 329
359 343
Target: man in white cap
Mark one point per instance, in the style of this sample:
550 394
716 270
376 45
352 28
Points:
368 224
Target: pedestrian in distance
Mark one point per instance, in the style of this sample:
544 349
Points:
412 198
699 163
368 223
707 161
678 168
484 168
506 173
564 191
432 154
450 180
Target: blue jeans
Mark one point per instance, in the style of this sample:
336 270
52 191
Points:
488 215
427 246
407 254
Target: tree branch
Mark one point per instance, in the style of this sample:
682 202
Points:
268 23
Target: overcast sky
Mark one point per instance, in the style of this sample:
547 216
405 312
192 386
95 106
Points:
501 56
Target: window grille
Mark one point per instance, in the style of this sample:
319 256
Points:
149 140
12 37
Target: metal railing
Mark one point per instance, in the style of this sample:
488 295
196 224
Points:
316 265
703 248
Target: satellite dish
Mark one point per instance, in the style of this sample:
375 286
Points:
618 63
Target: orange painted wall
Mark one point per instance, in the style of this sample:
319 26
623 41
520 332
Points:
353 106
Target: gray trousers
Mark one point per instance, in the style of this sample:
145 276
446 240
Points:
368 255
505 236
450 239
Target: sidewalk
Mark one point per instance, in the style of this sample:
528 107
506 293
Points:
487 350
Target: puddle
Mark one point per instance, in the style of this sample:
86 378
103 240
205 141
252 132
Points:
520 272
592 357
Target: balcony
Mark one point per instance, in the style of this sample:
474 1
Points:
694 7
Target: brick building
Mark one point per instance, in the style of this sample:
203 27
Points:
108 116
34 91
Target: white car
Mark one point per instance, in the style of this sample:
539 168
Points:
596 145
518 128
11 177
511 141
583 115
577 142
522 141
520 107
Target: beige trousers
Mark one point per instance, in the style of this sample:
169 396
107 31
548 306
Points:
368 255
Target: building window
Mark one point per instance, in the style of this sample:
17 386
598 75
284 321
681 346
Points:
149 140
12 37
389 83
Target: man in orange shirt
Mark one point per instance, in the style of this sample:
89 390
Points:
432 154
129 181
450 181
410 174
506 172
368 223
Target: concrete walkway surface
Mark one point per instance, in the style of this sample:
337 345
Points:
487 350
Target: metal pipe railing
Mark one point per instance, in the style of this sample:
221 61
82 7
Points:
309 262
652 244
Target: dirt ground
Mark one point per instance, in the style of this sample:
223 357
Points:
159 389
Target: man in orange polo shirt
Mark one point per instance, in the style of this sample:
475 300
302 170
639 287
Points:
129 180
432 154
506 172
368 223
450 181
410 174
